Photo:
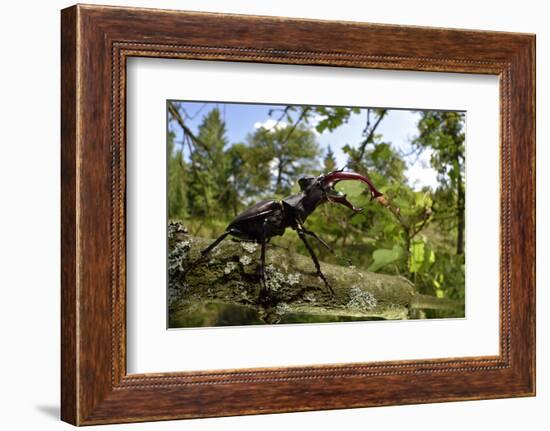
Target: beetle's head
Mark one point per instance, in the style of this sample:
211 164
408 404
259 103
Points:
326 184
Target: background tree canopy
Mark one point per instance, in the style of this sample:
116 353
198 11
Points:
421 236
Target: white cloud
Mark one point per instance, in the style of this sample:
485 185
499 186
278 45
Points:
270 124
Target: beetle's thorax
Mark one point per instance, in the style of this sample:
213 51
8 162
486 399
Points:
312 200
306 202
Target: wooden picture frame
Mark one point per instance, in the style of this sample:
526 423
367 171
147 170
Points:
95 43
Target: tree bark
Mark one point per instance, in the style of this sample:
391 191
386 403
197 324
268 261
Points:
279 180
224 288
461 222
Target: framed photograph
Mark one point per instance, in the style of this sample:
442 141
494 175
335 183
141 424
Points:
319 214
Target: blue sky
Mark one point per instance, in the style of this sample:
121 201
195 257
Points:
397 128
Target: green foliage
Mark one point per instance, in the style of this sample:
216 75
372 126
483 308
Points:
333 117
421 256
383 257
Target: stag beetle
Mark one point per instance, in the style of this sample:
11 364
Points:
269 218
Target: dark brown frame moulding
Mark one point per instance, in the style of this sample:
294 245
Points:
96 41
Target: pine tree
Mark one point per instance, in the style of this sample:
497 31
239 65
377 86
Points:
208 188
330 160
282 155
177 199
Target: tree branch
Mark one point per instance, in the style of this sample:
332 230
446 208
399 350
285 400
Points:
370 134
228 278
176 116
291 131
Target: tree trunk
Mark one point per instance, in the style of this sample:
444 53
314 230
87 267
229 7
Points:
223 287
461 222
279 180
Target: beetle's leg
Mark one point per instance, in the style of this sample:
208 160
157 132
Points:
328 247
215 243
314 258
208 249
318 238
